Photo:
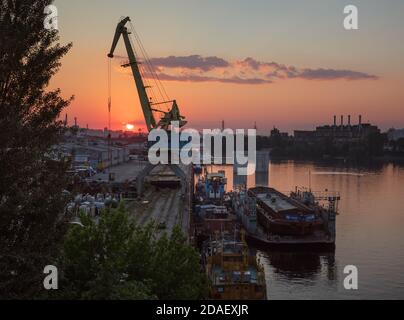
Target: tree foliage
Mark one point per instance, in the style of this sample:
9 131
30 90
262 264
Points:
31 184
115 259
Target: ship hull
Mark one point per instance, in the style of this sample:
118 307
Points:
284 227
316 244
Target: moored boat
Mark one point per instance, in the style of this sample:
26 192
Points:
274 220
211 219
233 270
211 187
283 215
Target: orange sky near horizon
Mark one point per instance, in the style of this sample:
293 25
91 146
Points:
293 103
287 104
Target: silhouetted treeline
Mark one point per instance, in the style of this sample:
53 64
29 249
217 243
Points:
287 147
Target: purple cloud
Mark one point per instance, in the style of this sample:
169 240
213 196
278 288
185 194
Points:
191 62
331 74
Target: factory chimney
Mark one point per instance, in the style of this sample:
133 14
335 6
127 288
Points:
360 120
342 121
349 120
335 121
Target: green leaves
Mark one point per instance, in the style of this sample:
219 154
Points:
114 259
177 268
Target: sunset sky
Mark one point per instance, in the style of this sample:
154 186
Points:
288 64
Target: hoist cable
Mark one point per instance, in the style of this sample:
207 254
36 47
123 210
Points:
149 65
143 74
109 110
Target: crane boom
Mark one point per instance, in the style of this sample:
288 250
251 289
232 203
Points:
141 89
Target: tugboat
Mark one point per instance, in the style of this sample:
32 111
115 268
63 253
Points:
211 187
233 270
197 169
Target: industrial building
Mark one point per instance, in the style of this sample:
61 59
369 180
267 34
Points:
97 156
89 149
395 134
338 132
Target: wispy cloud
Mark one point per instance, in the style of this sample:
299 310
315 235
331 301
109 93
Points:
331 74
200 78
196 68
190 62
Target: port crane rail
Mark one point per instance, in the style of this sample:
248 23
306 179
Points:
148 107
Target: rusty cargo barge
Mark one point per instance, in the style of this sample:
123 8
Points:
274 220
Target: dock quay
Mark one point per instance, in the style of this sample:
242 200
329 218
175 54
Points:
164 201
121 173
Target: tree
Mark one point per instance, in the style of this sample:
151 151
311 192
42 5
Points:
176 269
94 260
115 259
31 185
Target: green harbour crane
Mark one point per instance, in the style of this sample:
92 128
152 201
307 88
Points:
148 107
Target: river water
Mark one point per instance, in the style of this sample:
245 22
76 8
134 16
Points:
370 232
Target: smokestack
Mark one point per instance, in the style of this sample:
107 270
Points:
349 120
335 121
342 121
360 120
75 121
223 125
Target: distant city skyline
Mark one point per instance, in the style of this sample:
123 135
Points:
348 120
277 63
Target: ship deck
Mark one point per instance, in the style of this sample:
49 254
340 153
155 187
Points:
278 202
219 275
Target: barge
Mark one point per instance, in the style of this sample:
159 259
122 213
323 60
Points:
273 219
